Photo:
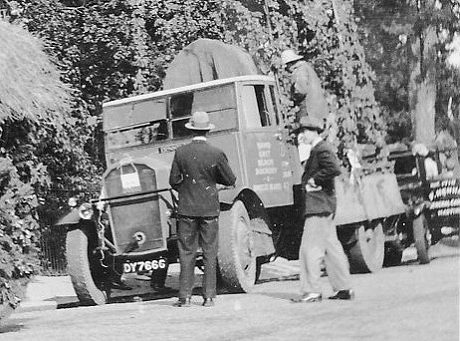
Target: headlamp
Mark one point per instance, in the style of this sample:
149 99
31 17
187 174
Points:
86 211
72 202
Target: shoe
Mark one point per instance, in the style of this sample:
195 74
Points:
309 298
183 302
343 295
208 302
120 285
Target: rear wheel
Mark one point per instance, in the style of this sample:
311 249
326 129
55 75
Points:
367 254
422 238
84 272
236 257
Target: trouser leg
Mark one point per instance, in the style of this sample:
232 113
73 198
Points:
188 244
338 269
209 243
310 255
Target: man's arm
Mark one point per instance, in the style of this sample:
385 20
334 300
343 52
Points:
225 175
328 167
175 176
300 86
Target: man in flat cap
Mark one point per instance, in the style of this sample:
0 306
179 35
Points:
196 169
319 239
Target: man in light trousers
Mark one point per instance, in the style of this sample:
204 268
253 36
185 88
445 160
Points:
319 239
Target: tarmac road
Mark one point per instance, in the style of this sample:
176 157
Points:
410 302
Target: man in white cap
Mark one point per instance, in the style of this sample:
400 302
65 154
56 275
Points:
306 90
196 169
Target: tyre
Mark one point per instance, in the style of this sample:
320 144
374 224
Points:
84 272
237 261
367 254
422 238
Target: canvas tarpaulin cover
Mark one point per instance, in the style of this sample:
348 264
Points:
206 60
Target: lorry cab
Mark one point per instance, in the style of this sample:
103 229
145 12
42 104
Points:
248 128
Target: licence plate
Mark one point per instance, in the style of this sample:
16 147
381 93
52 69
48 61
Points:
148 265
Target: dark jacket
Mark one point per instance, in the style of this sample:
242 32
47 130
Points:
307 93
196 169
323 166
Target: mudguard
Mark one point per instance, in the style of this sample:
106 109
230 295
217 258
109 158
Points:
262 236
261 232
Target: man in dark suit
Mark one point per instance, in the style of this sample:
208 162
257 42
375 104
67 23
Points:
319 239
196 170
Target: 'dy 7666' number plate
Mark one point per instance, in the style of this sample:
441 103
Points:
156 264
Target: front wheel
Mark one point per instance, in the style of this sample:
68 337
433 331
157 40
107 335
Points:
422 238
83 270
236 256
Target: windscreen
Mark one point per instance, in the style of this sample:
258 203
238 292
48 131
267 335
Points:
137 136
218 102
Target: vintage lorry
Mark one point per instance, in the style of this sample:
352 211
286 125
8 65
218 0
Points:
131 228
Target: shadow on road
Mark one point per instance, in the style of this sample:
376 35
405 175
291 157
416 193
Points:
278 295
8 327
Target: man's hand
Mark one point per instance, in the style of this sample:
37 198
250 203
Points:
311 186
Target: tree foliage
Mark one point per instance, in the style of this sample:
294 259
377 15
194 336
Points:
33 108
326 34
389 30
113 49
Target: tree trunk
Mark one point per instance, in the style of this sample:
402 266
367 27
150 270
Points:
422 87
424 113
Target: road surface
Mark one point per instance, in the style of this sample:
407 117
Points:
409 302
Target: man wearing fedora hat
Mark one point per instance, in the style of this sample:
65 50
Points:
196 169
306 90
319 239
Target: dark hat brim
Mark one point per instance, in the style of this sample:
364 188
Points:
301 128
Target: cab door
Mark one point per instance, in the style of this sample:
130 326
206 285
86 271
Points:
264 147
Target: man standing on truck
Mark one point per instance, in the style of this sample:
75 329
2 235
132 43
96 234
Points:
196 170
319 239
306 90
